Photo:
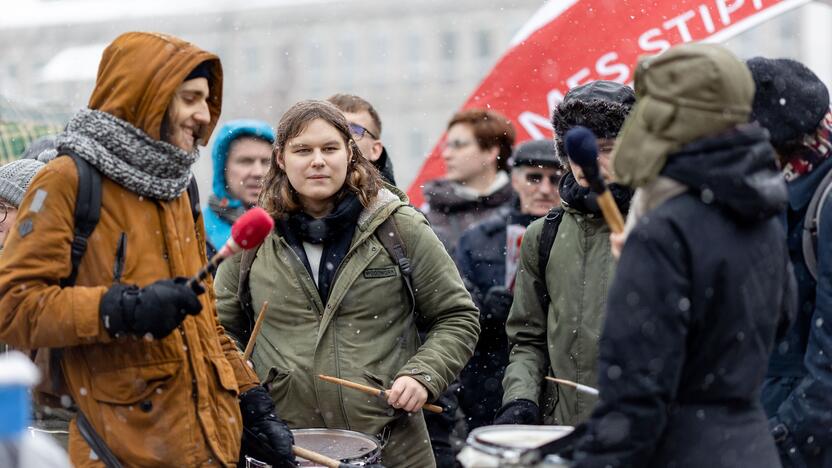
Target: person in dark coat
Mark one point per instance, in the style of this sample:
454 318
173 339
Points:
793 105
487 256
703 281
476 183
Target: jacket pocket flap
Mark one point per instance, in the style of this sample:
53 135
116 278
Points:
132 384
225 373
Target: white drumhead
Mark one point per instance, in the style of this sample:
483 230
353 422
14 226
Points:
513 436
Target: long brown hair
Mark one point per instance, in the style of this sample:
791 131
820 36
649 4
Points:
278 197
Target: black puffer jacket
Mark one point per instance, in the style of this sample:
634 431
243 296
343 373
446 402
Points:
702 285
450 213
384 164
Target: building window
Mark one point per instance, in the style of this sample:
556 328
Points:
484 44
485 50
252 62
314 68
415 57
347 57
448 54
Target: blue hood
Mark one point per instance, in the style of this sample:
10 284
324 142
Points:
225 136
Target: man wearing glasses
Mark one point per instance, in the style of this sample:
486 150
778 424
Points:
476 152
487 256
365 126
557 333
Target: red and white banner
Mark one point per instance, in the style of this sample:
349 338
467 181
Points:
571 42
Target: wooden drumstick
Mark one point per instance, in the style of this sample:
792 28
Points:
579 387
316 457
372 391
256 331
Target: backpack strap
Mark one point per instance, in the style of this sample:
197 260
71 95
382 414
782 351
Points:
547 239
811 224
244 288
388 234
193 197
87 212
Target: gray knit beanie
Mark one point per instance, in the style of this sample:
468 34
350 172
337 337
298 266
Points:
15 177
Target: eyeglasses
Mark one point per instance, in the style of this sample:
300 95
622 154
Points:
536 178
4 212
358 132
457 144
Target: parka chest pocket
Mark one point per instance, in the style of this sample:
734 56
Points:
225 373
133 385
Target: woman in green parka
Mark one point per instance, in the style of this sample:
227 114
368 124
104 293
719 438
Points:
338 301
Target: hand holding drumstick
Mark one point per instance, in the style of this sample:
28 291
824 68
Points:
407 396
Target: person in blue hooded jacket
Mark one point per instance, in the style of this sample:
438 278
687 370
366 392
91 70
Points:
242 152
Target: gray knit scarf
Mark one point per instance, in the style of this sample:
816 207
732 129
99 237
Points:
127 155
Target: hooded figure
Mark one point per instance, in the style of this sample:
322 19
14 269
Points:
792 103
144 358
703 280
560 338
247 170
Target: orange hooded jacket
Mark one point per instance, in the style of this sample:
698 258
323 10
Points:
167 402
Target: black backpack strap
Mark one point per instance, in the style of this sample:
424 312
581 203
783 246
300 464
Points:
811 224
388 234
547 239
87 212
95 442
193 196
244 288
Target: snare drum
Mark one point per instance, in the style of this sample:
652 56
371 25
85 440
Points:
347 446
501 445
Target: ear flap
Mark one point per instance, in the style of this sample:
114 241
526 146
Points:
657 116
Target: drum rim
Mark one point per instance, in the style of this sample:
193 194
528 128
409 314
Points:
474 441
372 455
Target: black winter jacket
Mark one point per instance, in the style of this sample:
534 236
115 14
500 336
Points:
702 285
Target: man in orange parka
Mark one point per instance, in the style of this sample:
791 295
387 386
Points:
144 358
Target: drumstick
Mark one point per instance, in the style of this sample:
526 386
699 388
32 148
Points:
372 391
579 387
316 457
255 331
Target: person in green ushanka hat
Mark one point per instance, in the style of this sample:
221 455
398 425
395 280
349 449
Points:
703 282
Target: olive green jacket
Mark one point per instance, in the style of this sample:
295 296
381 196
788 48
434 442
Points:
579 271
365 333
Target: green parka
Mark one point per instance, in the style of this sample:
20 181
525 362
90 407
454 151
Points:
579 271
364 333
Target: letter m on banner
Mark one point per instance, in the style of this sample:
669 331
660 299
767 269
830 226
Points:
571 42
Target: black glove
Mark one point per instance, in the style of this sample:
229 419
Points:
156 309
496 304
519 412
265 436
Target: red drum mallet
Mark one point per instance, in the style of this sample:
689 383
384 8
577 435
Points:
247 232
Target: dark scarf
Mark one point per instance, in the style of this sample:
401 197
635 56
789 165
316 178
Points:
226 213
813 150
586 201
127 155
334 231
